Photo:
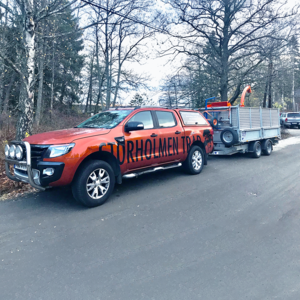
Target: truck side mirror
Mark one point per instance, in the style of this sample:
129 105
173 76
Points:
133 126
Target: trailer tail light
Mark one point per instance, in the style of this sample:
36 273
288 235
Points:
286 120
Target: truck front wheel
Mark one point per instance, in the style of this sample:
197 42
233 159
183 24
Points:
94 183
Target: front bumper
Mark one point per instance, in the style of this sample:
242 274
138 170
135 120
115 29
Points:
35 177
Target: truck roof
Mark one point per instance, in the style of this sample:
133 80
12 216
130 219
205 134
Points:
147 106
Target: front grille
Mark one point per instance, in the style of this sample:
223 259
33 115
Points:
37 151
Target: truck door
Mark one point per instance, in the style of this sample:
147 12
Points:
141 145
171 136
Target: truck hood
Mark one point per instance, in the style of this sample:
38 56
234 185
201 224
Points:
64 136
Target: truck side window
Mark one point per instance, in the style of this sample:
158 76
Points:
192 118
165 119
145 117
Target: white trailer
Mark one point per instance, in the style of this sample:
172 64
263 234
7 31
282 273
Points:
243 129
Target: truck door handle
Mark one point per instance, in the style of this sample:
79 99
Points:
153 135
177 132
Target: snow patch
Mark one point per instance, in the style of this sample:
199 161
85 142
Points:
287 142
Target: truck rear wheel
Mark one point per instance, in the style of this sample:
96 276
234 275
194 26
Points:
195 161
94 183
267 147
256 150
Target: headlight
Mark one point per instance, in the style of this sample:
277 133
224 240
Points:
19 153
12 151
59 150
6 151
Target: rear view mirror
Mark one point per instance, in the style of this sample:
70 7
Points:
133 126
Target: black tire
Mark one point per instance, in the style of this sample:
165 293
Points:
84 180
214 123
267 147
256 150
229 137
192 165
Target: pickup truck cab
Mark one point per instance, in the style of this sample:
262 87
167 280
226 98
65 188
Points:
109 146
290 119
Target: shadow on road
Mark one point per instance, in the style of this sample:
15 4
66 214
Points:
62 198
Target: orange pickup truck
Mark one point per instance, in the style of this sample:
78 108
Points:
118 143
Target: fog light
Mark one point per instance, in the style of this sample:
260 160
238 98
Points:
6 151
48 171
36 176
19 152
12 151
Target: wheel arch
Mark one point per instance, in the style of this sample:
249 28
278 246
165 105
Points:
104 156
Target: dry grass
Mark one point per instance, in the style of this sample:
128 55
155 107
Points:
9 188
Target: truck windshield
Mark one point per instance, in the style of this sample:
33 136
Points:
294 115
107 119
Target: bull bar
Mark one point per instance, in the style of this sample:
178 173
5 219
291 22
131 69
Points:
26 163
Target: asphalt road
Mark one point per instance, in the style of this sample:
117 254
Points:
231 232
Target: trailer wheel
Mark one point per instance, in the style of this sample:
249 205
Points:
94 183
267 147
229 137
256 150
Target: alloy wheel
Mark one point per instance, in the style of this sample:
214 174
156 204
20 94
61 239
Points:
197 160
97 183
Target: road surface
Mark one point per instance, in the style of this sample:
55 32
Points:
231 232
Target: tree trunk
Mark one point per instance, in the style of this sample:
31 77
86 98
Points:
1 86
87 99
24 124
107 66
2 65
265 94
89 96
267 86
282 94
99 98
41 82
52 80
117 85
225 54
270 85
100 76
293 81
62 93
7 93
224 81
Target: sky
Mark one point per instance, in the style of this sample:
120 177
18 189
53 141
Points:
154 68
